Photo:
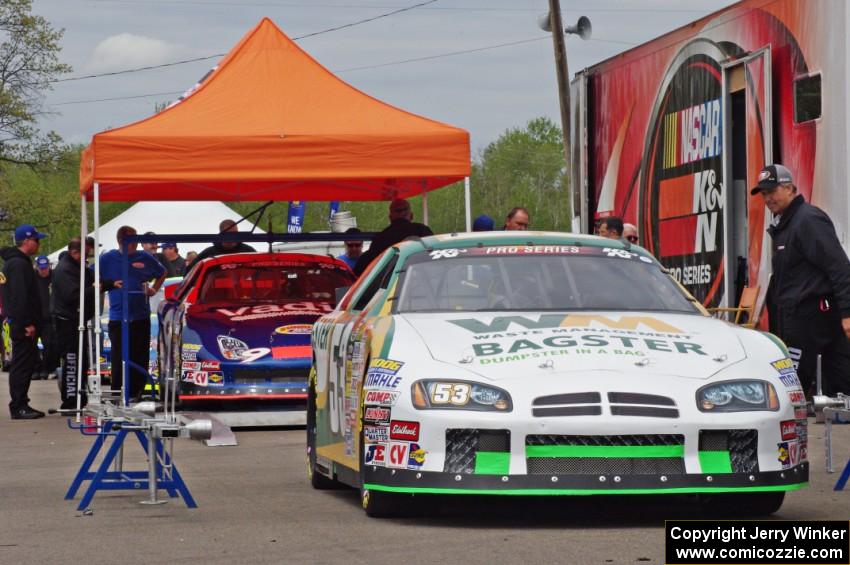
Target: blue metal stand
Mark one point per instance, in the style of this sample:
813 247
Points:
845 475
104 479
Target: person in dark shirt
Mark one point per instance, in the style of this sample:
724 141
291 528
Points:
23 309
226 247
353 250
143 268
401 226
49 358
808 298
611 227
175 265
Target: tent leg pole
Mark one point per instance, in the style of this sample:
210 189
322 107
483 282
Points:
95 384
79 379
467 204
425 208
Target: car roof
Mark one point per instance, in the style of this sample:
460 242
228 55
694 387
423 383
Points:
263 256
474 239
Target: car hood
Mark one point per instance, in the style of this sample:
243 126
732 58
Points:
499 346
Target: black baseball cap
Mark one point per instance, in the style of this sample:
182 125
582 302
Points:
770 177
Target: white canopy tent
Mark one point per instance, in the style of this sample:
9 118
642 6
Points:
168 217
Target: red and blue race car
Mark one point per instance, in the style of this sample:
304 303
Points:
237 331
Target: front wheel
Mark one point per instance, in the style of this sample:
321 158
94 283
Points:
379 503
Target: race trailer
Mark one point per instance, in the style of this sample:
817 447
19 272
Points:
671 134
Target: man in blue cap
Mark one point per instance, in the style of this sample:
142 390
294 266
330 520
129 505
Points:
49 358
23 309
483 223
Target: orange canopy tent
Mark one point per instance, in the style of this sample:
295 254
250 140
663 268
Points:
270 123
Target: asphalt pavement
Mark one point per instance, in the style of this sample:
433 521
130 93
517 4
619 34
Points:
255 505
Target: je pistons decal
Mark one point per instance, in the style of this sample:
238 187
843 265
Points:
682 185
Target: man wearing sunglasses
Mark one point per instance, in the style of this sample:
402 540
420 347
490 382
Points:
630 233
23 308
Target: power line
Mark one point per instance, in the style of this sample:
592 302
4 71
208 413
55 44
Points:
328 30
353 69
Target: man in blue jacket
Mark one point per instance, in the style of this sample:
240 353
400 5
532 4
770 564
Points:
808 298
143 268
23 309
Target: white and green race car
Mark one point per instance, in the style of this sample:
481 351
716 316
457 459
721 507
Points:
537 363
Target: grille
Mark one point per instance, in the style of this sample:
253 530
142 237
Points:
647 411
644 405
605 466
742 446
278 376
581 465
463 444
565 405
637 398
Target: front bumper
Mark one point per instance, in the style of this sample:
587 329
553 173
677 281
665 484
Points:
411 481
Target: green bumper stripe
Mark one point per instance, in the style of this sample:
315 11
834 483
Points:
581 492
716 462
624 451
492 463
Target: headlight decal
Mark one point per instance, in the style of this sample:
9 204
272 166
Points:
459 395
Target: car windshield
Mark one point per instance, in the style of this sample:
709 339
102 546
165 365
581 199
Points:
272 282
550 278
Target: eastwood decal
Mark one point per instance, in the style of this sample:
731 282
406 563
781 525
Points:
274 310
296 329
401 430
382 374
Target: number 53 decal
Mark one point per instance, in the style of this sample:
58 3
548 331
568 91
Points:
450 393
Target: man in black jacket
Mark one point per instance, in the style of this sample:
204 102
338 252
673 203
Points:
66 318
401 227
23 308
49 355
223 248
808 298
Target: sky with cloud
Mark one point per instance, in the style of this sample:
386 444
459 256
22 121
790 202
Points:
504 76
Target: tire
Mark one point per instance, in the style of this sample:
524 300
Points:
317 480
743 504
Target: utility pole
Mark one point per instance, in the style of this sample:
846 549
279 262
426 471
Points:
557 29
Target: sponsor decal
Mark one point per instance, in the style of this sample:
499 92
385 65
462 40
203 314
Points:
191 347
191 366
801 413
417 456
622 345
797 397
198 378
189 355
381 397
376 434
276 310
446 253
403 430
804 450
787 373
788 429
376 415
794 453
216 379
234 349
210 365
376 454
398 455
294 329
501 324
784 457
382 374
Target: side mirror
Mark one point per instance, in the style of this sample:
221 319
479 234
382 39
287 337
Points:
340 293
170 291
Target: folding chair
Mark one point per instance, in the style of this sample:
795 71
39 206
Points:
745 312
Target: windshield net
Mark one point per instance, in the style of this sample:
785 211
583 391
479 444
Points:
272 282
537 278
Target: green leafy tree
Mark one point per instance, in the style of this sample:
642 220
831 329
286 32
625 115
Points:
29 61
